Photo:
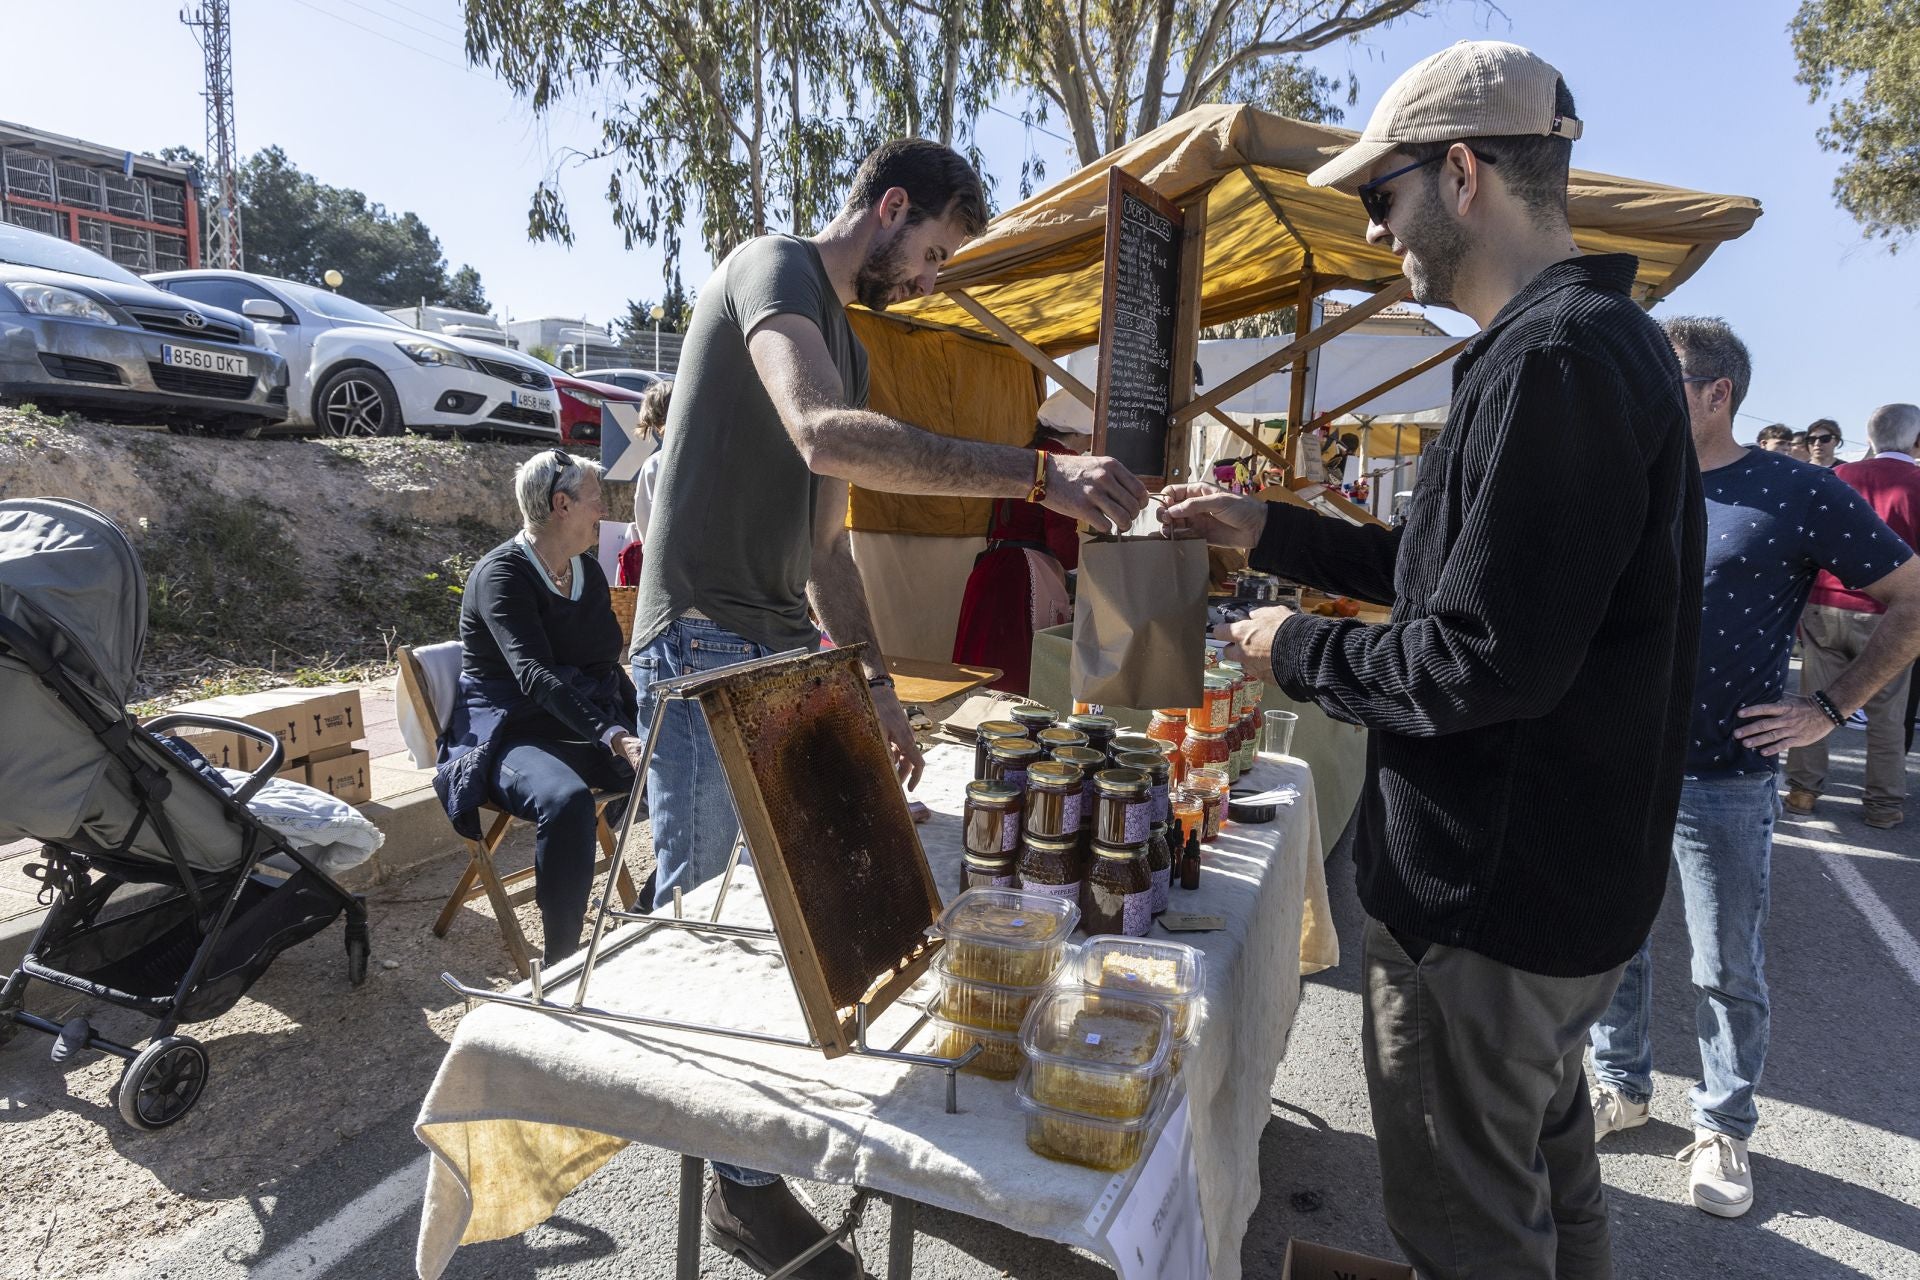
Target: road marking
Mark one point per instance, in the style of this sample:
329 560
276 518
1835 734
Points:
311 1255
1906 951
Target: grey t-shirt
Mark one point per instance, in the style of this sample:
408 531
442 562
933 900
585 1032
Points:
732 527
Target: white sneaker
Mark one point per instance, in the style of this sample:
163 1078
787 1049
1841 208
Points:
1613 1111
1720 1178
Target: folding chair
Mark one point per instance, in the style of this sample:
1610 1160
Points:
429 677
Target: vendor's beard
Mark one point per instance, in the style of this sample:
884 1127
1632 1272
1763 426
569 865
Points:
880 274
1436 246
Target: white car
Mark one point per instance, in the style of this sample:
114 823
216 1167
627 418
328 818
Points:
355 371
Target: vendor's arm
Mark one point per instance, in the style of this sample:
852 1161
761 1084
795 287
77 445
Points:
840 598
878 452
1552 524
507 608
1297 543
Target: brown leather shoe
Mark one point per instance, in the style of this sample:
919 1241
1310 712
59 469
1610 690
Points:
1884 819
766 1228
1801 802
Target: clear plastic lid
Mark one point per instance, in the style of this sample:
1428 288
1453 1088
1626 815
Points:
1008 919
1147 967
1102 1035
1023 1097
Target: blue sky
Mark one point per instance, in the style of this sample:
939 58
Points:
374 94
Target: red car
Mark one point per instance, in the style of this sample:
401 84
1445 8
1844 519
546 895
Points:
580 402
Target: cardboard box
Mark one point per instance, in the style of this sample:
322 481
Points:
350 777
226 750
329 753
305 720
298 773
1309 1261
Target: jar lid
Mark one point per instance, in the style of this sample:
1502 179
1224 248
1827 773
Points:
993 792
1135 742
1079 756
1146 762
1012 748
992 861
1093 723
1053 773
1060 736
1205 733
1121 781
1170 713
1214 680
1001 729
1065 844
1119 852
1034 715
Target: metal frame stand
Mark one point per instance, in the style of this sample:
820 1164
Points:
687 1247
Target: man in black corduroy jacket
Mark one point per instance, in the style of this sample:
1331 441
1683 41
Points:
1529 698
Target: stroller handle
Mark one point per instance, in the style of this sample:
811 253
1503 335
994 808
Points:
259 777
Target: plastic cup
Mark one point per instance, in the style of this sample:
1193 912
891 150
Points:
1276 733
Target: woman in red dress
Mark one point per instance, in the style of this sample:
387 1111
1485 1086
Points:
1019 583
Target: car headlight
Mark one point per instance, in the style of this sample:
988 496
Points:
52 300
433 354
591 399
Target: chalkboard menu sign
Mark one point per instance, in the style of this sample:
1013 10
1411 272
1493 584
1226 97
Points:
1133 410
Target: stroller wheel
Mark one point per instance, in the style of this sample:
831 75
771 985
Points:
359 947
162 1083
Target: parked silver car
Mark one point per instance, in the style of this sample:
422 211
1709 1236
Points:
77 331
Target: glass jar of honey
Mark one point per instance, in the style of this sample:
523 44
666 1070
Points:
977 872
1053 800
1203 749
1160 867
1008 760
990 820
1059 736
1249 742
1236 739
1118 895
1052 867
1033 719
1213 785
1125 742
1170 726
1215 711
983 738
1098 728
1159 779
1123 812
1189 809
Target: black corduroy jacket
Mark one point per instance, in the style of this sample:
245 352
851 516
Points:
1528 698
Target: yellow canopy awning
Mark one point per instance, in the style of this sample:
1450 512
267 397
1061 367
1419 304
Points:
1038 266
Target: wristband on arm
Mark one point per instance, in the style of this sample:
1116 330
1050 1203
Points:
1831 712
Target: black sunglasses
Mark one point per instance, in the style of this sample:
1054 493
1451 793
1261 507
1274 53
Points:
1822 439
553 486
1378 203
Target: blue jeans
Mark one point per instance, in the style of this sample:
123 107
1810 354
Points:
551 785
694 824
1723 847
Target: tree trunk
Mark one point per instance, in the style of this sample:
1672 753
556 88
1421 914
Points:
1156 81
949 69
756 160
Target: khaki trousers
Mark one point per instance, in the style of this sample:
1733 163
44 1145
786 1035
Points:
1832 639
1476 1075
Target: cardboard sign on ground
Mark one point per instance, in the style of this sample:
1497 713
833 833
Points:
1309 1261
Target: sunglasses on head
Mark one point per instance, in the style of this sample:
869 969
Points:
553 486
1379 202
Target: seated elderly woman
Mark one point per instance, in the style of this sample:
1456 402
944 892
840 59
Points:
545 712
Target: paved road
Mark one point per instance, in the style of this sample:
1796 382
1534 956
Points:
1837 1157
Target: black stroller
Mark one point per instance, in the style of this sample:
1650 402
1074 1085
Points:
114 808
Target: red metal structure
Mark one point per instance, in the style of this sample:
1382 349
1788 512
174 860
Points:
141 212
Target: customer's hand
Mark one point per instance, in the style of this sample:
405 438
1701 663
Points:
1098 491
907 760
630 749
1774 727
1224 519
1250 642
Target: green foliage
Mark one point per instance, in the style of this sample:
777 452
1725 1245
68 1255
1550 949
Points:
637 324
218 573
1865 55
541 351
295 226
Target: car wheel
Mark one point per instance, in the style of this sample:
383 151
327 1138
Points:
358 402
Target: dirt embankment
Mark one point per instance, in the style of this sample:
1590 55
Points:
278 560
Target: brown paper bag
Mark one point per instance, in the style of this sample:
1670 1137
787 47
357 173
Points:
1140 622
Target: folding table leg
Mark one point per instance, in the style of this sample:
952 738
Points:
900 1238
686 1251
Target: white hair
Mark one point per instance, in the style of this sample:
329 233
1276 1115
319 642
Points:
535 480
1894 426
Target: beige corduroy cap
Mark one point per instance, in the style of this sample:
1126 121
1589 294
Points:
1474 89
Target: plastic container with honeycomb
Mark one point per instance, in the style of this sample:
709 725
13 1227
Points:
1108 1145
992 1005
1003 935
1000 1054
1169 973
1097 1055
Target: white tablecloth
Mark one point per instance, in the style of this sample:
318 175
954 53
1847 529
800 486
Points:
526 1105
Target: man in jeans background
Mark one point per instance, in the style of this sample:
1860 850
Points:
766 430
1528 699
1841 623
1772 524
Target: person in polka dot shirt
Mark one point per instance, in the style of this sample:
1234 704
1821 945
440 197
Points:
1773 523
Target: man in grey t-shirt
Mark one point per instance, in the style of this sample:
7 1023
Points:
767 428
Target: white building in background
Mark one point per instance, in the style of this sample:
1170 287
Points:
590 344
